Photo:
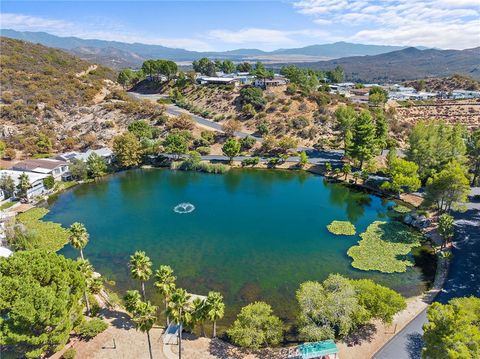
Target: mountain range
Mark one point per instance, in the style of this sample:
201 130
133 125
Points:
362 63
406 64
120 54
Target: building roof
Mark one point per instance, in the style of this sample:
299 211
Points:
33 177
102 152
44 165
5 252
317 349
217 79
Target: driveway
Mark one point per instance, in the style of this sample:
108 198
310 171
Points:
463 280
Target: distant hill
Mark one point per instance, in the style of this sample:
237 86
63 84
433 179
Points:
339 49
121 54
407 64
31 74
446 84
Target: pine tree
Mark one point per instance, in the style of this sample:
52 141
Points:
364 140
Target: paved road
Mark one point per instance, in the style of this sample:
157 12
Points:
176 111
314 157
463 280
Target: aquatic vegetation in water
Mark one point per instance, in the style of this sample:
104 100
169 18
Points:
31 232
183 208
384 247
401 209
345 228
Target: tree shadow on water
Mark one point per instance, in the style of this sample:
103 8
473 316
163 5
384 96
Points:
363 333
414 346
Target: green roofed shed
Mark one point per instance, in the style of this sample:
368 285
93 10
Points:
318 349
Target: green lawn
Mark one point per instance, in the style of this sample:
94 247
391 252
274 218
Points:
345 228
6 205
385 247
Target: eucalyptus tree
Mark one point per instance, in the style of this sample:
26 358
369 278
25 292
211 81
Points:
78 238
215 309
165 284
140 268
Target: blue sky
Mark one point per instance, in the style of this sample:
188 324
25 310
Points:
224 25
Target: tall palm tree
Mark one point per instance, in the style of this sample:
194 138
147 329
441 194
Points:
140 268
180 310
78 238
215 309
144 317
131 299
165 283
199 313
87 271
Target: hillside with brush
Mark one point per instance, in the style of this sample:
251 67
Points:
52 101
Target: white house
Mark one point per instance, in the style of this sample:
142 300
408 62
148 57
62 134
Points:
47 166
465 94
105 153
35 180
278 80
208 80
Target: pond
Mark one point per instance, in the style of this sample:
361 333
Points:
250 234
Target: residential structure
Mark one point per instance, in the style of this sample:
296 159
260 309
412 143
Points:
49 167
35 179
105 153
206 80
278 80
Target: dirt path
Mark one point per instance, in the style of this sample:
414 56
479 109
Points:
90 68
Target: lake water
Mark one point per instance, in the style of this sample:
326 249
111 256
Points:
253 235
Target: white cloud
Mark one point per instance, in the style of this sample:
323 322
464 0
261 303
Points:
109 31
32 23
249 35
436 23
271 38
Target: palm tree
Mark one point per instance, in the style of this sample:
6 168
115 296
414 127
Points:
199 313
144 317
165 283
78 239
131 299
215 309
140 268
179 309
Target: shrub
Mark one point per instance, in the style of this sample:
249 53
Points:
262 128
203 150
345 228
70 353
253 161
247 143
253 96
383 247
91 328
291 89
49 182
300 122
